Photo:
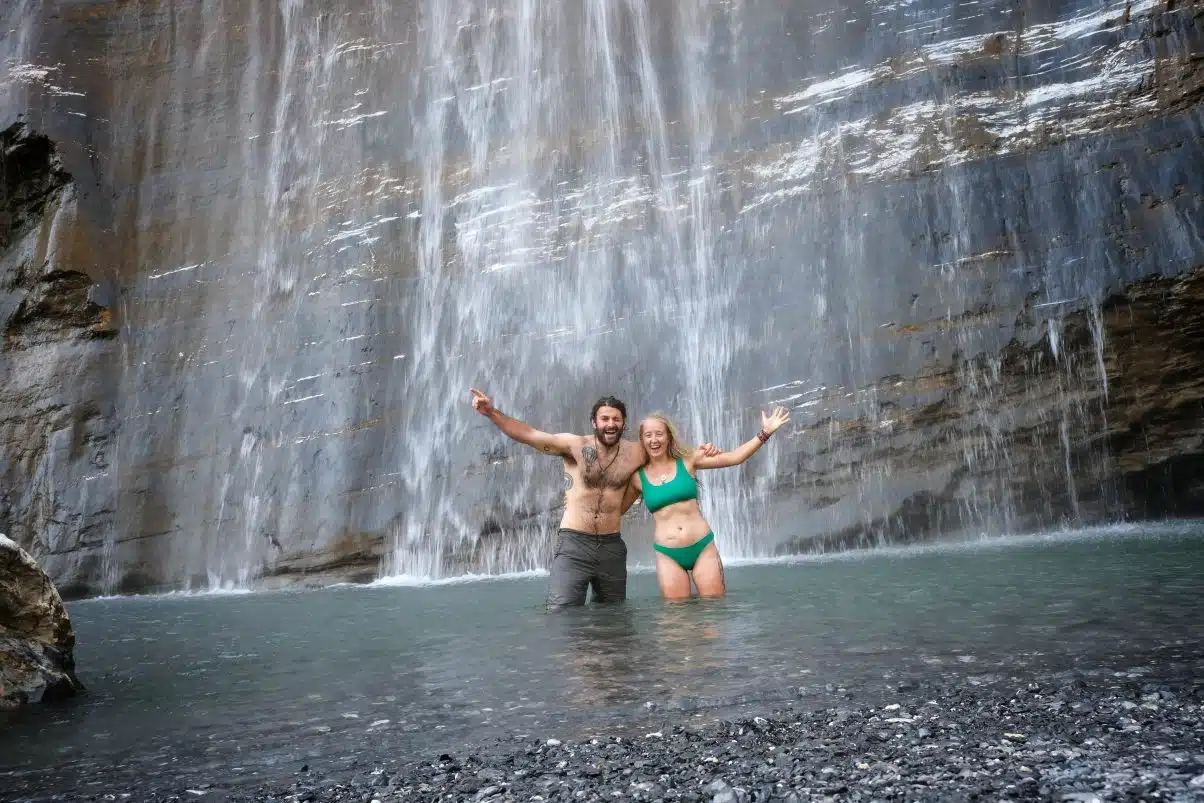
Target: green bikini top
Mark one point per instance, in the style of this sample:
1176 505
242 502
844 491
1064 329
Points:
679 489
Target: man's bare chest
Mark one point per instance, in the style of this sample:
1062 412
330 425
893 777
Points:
595 469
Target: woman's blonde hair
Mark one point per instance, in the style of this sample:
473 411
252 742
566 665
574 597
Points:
677 448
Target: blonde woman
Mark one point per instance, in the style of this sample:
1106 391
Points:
684 544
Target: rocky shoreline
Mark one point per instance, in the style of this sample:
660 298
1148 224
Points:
1069 736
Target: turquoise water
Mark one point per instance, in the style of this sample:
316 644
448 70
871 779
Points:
188 690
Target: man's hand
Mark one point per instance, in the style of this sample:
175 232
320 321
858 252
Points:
709 450
560 445
481 403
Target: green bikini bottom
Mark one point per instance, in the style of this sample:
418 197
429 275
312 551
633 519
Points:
686 556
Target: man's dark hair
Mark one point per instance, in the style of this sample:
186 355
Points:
607 401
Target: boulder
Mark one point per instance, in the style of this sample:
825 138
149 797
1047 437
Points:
36 640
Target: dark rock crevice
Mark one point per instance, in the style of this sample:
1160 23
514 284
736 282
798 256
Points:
41 298
31 176
54 302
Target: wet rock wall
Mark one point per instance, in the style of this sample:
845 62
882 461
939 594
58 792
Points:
253 263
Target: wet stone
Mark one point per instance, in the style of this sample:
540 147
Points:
978 742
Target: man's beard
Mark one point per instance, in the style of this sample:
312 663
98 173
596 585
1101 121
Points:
608 439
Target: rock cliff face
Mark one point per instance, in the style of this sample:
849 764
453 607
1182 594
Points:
1127 443
255 254
57 372
36 639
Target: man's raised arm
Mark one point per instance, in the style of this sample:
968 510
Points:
560 444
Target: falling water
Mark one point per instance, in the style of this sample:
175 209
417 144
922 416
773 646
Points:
565 233
452 208
243 114
17 26
335 221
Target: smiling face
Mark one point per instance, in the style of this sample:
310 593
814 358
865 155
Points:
654 434
608 425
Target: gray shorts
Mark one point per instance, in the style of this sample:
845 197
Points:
582 561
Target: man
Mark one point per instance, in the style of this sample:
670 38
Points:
590 552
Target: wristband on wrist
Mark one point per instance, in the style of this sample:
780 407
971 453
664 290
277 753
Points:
764 436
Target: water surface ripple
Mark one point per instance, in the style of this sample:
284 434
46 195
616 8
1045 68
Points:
188 690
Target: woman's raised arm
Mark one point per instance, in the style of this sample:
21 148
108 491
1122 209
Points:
770 423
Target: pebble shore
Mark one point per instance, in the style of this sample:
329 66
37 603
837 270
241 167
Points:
1069 737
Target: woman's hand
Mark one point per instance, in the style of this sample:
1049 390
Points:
773 422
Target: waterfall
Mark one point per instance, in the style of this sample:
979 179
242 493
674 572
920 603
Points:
17 25
333 221
412 201
255 119
559 239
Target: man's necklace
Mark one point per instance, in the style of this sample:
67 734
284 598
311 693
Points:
602 476
602 471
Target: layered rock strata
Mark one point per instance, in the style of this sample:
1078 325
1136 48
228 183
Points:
1105 420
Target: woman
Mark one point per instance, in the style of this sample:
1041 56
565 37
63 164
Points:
684 543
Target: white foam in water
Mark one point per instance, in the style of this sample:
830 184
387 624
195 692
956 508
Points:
1180 527
982 543
410 581
207 592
